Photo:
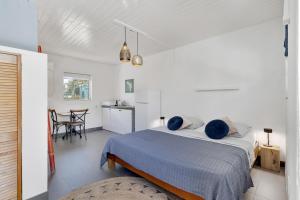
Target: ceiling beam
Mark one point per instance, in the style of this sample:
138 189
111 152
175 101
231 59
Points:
134 29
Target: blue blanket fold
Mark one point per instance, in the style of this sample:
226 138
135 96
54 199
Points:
211 170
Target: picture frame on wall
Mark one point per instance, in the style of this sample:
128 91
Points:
129 86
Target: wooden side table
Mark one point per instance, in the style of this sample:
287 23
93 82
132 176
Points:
270 158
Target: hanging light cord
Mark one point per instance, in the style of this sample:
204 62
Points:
137 43
125 34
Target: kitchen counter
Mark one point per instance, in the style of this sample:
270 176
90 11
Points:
119 107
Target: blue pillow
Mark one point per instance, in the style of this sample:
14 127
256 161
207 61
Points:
175 123
216 129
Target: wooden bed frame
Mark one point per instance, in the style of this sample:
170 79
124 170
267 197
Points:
113 159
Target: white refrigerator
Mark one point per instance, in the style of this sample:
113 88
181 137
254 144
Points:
147 109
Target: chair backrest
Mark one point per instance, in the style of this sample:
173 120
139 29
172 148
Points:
78 115
53 115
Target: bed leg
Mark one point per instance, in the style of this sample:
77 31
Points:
111 163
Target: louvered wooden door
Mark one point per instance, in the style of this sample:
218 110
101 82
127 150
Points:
10 127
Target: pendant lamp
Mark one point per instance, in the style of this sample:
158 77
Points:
137 60
125 52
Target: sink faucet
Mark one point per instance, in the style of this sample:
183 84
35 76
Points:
117 102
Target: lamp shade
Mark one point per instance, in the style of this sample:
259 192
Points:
137 60
125 54
267 130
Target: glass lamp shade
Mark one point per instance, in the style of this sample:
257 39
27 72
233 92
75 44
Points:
137 60
125 54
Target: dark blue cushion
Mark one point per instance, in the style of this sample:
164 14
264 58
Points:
216 129
175 123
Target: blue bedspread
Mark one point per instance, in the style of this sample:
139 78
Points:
211 170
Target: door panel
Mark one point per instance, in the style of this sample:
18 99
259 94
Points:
125 121
114 123
10 128
121 121
8 136
106 119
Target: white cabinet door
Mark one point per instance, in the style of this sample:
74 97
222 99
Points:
121 121
106 118
117 120
125 122
114 120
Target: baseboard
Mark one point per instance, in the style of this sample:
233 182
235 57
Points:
43 196
88 130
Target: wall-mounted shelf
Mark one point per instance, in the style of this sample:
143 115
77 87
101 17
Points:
217 89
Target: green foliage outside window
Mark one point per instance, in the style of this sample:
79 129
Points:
76 89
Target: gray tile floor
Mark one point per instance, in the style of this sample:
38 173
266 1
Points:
77 164
267 185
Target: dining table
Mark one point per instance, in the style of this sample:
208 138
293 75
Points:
68 114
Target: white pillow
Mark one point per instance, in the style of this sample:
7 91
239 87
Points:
231 125
186 123
242 130
196 122
201 129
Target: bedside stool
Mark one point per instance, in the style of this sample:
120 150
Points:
270 157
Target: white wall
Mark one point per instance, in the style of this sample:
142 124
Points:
34 122
292 138
18 24
103 86
250 59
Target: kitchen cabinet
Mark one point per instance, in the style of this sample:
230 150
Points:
118 119
106 118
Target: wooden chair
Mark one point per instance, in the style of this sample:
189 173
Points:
57 124
77 119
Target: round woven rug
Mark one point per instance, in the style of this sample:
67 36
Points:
120 188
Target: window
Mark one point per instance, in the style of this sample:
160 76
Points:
77 86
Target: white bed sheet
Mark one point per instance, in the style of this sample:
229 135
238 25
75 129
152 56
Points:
247 143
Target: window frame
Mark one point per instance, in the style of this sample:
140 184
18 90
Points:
66 74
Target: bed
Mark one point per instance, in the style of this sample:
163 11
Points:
186 162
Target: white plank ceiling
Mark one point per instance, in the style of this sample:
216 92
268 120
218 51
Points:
86 28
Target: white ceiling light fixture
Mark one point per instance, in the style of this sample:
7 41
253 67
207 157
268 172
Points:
137 60
125 54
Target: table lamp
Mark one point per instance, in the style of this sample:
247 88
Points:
162 120
268 131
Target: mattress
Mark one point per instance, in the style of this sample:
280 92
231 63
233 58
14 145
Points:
247 143
212 170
